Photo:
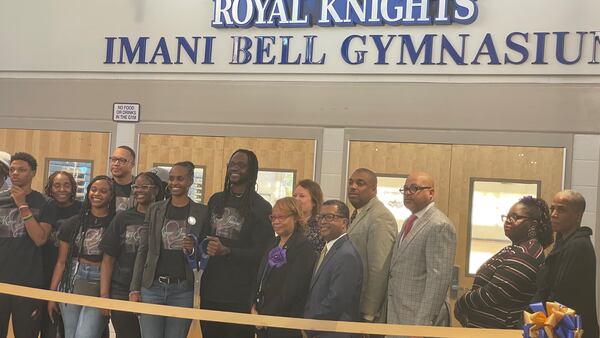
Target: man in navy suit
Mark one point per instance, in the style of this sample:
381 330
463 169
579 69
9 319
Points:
334 292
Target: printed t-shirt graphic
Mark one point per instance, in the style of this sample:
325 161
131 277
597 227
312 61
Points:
229 225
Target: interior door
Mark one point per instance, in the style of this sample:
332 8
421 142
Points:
508 167
510 171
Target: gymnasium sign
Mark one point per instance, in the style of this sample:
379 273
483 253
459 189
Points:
271 43
216 38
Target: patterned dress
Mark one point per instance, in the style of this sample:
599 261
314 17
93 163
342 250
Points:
504 286
313 234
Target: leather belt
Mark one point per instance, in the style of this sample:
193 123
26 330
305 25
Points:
169 279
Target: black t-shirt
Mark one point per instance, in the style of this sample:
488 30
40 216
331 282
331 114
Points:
50 249
230 278
122 240
87 238
171 261
123 196
21 260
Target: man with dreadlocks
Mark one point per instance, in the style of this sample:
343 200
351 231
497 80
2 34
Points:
238 233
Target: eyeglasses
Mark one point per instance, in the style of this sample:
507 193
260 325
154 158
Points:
328 217
279 218
412 189
118 160
512 218
145 187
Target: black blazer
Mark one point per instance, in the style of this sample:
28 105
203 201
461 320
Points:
284 289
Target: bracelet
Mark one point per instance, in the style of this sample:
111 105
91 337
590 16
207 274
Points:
28 217
23 206
134 293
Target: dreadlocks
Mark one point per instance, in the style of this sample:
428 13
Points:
66 282
246 201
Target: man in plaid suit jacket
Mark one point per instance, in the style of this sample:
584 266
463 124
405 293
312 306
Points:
422 259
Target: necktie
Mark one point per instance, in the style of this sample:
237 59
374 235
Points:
321 257
353 215
408 225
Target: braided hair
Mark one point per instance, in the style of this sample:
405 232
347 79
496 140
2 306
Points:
51 178
246 200
537 210
66 282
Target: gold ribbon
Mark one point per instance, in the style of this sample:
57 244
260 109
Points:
540 319
260 320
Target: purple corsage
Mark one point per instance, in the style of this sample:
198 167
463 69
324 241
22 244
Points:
277 257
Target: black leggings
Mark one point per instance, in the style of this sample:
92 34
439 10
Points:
126 324
26 314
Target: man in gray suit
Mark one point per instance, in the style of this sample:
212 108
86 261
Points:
338 273
421 267
373 231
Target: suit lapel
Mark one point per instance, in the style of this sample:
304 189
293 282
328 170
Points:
363 213
418 226
327 258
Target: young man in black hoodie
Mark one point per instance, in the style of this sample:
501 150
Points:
238 233
569 273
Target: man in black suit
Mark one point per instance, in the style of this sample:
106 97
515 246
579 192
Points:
338 273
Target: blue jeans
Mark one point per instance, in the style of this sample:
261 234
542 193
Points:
175 294
83 321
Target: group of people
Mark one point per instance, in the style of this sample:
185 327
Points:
140 239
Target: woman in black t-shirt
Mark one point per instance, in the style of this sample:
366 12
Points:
77 268
120 244
62 190
162 273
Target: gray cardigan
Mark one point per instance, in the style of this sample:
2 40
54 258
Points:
149 249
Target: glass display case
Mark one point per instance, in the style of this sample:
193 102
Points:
273 184
489 200
388 192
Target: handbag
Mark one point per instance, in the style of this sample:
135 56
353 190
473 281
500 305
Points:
86 287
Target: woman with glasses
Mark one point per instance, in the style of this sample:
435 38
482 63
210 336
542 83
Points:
310 196
120 244
162 273
286 269
506 283
77 268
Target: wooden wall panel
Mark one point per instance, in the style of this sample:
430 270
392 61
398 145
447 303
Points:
403 158
214 153
276 153
43 144
201 150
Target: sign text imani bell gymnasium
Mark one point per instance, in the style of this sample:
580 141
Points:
395 48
